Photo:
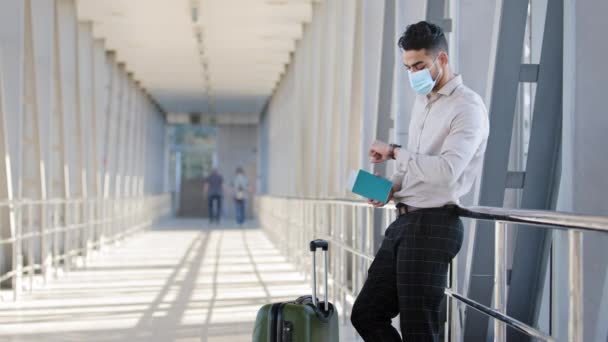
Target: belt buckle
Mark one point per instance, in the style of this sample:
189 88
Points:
402 209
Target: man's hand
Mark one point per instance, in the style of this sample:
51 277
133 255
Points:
379 151
378 204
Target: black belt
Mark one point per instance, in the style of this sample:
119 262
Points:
403 208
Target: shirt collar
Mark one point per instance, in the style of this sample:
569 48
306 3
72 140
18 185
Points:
449 87
446 90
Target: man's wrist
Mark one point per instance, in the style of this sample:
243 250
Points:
396 152
393 151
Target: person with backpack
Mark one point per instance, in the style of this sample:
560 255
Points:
240 185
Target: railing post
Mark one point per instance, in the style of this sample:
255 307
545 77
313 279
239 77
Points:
66 236
30 245
121 221
302 232
105 213
356 246
287 230
575 320
121 225
500 284
369 226
17 251
56 250
88 227
113 221
336 227
343 262
45 256
447 335
101 202
94 220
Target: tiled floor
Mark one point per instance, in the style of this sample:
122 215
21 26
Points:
181 281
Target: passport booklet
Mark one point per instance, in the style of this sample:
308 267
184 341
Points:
369 185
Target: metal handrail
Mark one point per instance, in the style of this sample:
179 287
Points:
523 327
575 224
70 227
541 218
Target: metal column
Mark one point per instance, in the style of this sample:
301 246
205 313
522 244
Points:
512 16
532 246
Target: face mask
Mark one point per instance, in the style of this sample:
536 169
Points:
421 81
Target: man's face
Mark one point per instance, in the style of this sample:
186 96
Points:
416 60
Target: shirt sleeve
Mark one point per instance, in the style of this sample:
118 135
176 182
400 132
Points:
467 131
397 179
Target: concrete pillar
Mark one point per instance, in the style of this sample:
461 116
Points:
373 16
407 12
11 95
583 183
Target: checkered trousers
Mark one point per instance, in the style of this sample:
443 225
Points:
408 277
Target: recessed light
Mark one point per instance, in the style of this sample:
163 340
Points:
275 37
194 11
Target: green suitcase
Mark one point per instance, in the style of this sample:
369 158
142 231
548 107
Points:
302 320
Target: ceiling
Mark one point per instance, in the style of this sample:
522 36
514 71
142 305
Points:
201 56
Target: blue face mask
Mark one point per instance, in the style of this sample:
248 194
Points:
421 81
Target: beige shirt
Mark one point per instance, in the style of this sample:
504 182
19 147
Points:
447 139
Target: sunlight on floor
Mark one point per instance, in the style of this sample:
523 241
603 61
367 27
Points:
181 281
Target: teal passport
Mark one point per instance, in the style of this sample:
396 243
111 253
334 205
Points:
369 186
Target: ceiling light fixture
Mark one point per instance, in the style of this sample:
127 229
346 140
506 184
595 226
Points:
194 11
276 2
117 14
199 39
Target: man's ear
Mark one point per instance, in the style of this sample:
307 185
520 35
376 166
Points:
443 58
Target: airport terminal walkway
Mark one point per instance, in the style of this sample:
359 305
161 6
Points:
182 280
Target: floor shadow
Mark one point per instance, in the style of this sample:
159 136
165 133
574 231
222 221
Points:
179 281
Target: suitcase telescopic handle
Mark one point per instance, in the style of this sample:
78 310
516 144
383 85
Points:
314 245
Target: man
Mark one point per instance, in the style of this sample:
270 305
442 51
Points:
240 185
215 191
447 139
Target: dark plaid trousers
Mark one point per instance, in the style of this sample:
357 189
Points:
408 277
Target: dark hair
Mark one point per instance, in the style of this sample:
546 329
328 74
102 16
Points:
423 35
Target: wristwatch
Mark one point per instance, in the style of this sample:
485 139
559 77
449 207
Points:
391 151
